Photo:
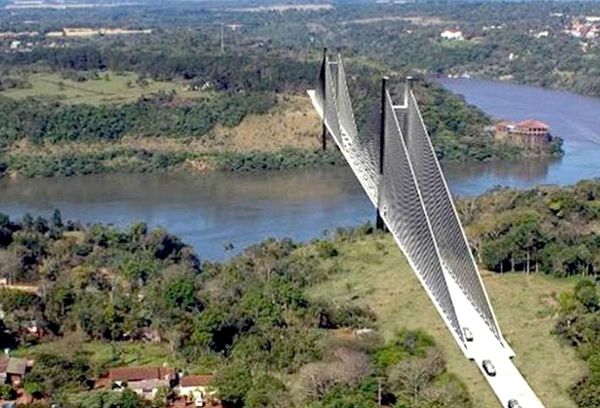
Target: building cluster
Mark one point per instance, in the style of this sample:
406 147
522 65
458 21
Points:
25 41
530 134
584 27
91 32
147 382
63 5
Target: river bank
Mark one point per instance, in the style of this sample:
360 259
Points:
213 210
82 139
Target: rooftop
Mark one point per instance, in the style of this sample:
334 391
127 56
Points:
533 123
147 385
139 373
13 365
196 380
524 124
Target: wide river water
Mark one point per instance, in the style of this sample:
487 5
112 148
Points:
212 211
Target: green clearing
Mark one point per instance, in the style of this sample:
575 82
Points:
108 87
378 276
104 354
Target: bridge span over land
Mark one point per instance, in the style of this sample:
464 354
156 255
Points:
396 165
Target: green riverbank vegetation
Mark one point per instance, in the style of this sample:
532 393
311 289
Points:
298 317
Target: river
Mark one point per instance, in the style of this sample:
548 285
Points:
575 118
211 211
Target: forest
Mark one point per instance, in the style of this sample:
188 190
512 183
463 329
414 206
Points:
578 326
265 55
250 314
545 229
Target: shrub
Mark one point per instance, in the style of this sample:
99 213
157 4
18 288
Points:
326 249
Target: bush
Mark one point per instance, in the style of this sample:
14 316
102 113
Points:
326 249
288 158
7 392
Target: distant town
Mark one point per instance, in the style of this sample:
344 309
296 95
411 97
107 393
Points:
64 5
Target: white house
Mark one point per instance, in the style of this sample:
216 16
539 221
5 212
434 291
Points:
452 34
196 389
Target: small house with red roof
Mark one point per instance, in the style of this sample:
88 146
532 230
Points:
145 381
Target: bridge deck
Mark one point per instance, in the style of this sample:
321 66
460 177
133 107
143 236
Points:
508 383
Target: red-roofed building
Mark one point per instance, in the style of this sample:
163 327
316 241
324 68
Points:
128 374
530 133
145 381
533 127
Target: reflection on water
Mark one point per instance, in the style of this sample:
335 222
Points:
211 211
525 170
475 178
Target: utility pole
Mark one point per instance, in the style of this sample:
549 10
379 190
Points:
323 126
379 391
379 224
222 38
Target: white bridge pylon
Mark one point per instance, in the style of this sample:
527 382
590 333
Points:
399 171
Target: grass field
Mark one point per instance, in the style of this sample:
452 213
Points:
292 123
101 354
108 88
378 276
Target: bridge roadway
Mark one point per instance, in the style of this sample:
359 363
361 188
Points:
508 383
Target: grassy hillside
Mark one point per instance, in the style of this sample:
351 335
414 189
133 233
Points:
74 122
284 137
379 277
106 87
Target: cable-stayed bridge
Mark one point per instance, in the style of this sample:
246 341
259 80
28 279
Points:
396 165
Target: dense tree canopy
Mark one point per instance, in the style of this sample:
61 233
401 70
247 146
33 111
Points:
579 325
544 229
249 319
